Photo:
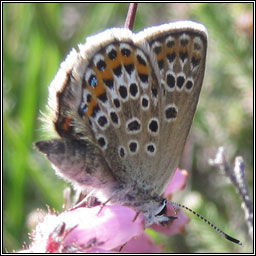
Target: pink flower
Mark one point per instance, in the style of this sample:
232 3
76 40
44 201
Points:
141 244
112 228
177 182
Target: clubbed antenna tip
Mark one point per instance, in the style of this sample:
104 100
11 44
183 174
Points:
209 223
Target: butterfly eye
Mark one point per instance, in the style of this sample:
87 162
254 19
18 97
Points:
163 208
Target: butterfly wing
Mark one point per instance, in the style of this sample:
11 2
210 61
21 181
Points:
133 96
177 53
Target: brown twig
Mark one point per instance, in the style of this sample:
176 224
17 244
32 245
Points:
130 17
244 193
237 178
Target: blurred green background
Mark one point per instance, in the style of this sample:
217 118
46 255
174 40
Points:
37 36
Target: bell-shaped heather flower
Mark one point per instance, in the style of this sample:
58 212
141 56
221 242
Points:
108 228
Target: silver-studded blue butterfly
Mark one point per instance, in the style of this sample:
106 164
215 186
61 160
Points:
122 106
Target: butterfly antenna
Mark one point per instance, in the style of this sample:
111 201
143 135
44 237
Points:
209 223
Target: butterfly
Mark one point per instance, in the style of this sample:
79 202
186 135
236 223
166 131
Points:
122 106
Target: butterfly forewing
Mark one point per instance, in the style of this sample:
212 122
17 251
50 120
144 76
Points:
177 53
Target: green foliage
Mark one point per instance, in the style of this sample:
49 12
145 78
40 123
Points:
37 37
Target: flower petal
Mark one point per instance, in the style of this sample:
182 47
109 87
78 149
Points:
141 244
110 228
86 229
177 182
